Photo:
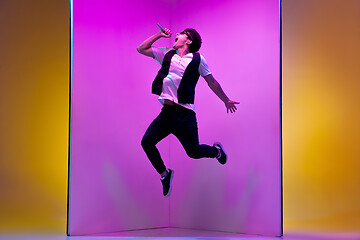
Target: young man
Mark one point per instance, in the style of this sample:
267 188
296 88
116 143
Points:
175 85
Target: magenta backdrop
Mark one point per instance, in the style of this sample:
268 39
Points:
113 185
241 45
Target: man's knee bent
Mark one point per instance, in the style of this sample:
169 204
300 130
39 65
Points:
146 142
194 153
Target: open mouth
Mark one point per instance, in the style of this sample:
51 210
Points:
176 39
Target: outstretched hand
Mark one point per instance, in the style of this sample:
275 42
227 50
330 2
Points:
230 106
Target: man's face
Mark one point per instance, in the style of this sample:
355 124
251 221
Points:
182 39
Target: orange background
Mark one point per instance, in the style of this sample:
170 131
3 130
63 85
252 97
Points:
34 78
321 115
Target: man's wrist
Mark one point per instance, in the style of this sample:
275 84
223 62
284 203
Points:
158 34
227 100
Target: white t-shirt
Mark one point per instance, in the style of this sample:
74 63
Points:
176 71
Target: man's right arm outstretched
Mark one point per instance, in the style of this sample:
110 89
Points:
145 47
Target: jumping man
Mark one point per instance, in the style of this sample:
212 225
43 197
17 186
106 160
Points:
175 84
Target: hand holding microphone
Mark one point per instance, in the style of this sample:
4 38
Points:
164 31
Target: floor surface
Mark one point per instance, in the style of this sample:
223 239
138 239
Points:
184 234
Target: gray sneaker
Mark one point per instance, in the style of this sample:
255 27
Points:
221 157
166 182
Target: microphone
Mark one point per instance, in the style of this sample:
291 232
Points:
161 28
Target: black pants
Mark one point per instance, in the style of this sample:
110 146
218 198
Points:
182 123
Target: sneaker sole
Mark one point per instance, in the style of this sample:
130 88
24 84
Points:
171 178
223 151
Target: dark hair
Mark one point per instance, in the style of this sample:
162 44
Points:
196 40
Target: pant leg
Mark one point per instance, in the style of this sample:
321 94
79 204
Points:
187 133
157 131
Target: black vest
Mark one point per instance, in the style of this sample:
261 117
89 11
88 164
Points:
186 90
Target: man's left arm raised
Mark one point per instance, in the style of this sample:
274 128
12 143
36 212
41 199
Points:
216 88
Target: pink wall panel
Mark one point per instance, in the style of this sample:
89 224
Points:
112 185
241 46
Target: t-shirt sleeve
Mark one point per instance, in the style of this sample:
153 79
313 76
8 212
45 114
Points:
159 53
203 67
